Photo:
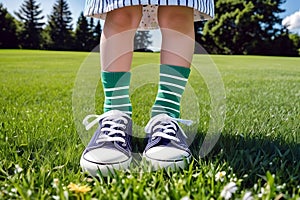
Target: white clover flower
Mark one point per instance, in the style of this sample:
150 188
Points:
233 179
255 186
18 169
29 192
262 192
55 197
248 196
280 187
260 195
55 183
185 198
130 176
90 180
66 194
220 176
14 190
228 190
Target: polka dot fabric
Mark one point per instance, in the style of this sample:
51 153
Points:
203 9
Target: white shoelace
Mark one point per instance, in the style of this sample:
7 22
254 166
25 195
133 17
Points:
112 128
169 127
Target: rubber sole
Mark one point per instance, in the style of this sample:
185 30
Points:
95 169
161 164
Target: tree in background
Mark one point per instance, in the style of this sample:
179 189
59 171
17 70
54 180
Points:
60 27
8 29
82 34
30 33
295 38
95 34
239 27
243 27
142 40
87 35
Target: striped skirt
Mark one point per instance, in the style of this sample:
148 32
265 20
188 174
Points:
203 9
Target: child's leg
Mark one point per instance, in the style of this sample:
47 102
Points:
110 147
177 27
167 145
116 56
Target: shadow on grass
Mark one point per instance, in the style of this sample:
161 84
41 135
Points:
249 158
255 157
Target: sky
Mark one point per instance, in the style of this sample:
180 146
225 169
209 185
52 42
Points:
291 16
76 7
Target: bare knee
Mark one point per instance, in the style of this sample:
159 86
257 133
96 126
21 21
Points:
177 18
124 18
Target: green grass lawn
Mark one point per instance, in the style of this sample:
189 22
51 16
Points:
259 147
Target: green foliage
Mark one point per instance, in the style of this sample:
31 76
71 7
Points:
58 34
239 27
259 147
142 40
82 33
29 15
246 27
97 30
95 34
8 29
60 26
283 44
295 38
87 35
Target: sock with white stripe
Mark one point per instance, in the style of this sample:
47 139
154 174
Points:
171 87
116 90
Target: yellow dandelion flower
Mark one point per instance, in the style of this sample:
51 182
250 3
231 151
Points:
78 188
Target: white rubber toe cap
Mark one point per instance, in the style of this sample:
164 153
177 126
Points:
166 153
105 155
167 157
104 160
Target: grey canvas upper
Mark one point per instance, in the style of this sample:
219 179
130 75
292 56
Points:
164 130
114 132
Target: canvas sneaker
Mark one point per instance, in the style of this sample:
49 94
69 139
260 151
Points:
167 145
110 147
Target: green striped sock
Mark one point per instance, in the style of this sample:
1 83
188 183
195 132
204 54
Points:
116 90
171 87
